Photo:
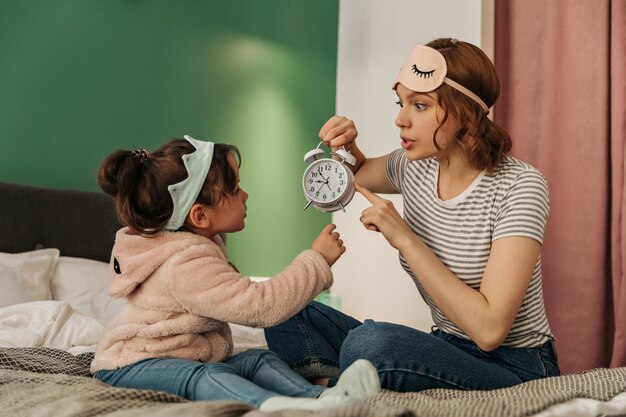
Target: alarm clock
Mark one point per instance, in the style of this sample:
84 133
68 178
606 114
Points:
328 183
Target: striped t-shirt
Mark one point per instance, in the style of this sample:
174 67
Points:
512 201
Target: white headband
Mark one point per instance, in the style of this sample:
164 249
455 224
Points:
425 70
185 193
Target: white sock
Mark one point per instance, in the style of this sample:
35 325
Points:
356 384
280 402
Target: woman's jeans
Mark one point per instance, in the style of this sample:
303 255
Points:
322 342
252 377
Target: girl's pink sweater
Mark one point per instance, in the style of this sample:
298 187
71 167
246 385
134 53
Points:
181 292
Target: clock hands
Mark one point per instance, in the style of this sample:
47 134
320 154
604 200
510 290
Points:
324 183
319 171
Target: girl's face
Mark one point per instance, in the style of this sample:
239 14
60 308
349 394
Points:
229 214
418 118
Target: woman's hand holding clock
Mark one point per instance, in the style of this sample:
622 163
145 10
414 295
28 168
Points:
339 131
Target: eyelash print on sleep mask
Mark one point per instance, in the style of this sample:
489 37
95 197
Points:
425 70
185 193
422 74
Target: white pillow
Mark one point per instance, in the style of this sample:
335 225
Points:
13 291
26 276
80 282
105 307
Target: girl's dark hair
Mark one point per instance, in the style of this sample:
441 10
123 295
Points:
139 185
485 142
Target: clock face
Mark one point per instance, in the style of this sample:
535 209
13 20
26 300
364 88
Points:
325 181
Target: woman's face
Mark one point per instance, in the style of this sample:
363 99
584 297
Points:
418 118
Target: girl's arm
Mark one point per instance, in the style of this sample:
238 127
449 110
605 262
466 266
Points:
485 315
207 285
340 131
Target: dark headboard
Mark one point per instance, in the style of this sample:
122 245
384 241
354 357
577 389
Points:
79 223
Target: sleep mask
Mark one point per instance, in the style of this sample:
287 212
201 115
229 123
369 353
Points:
425 70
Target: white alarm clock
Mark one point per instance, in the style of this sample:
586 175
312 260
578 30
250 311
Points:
328 183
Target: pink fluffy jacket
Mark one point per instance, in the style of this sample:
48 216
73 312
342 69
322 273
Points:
181 292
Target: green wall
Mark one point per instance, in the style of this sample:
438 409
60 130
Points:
81 78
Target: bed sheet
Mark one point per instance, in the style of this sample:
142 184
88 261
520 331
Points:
585 407
51 381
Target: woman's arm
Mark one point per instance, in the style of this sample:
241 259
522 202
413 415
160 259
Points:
486 315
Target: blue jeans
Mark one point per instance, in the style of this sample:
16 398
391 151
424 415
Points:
252 377
322 342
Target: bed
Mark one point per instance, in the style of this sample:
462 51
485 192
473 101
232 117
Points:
54 249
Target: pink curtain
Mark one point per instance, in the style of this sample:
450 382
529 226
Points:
562 67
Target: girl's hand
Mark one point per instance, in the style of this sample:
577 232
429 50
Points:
383 217
329 245
339 131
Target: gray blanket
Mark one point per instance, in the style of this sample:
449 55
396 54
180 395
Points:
42 382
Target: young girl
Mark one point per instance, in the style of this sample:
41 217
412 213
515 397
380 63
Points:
470 239
170 265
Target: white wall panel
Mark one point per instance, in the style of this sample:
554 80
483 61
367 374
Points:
374 38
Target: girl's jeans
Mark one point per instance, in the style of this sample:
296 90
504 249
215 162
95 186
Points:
252 377
322 342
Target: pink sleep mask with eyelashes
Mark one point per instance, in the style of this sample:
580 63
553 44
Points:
425 70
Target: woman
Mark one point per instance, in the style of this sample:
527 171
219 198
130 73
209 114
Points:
470 238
